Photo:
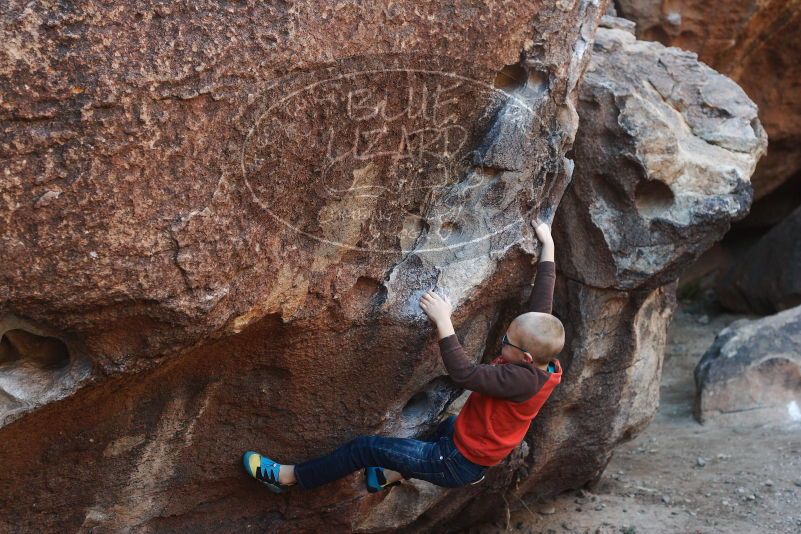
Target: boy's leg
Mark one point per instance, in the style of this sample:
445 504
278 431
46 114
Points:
409 457
445 428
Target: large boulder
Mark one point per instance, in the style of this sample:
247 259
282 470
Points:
752 372
217 221
767 277
226 214
758 45
663 157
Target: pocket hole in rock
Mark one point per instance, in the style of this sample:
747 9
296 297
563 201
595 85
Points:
488 171
513 77
652 197
423 408
35 368
609 191
510 77
43 352
416 406
537 81
450 231
656 33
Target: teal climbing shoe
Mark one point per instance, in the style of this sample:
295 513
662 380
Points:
375 480
264 470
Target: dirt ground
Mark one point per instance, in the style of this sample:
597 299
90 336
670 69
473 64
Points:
678 475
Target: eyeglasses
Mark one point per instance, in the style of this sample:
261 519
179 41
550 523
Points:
505 341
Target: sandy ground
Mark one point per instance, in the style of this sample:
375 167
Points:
678 475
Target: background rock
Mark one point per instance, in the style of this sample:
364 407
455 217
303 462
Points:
752 372
767 279
757 44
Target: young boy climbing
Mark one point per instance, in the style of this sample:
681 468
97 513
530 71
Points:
506 395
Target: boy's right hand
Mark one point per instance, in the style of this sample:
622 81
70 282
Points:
437 308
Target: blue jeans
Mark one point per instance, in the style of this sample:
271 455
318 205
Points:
436 460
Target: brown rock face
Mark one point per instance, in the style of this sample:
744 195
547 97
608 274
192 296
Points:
217 221
226 214
758 45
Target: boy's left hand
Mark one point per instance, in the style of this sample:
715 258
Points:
542 229
437 308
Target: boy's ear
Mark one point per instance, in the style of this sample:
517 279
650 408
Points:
528 358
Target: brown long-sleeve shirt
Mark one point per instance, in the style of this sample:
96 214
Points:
515 382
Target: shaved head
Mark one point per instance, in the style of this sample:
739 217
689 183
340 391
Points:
541 334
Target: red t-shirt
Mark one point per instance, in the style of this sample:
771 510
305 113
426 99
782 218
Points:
489 428
505 396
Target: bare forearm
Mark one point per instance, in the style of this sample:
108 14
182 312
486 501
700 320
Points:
445 328
548 250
